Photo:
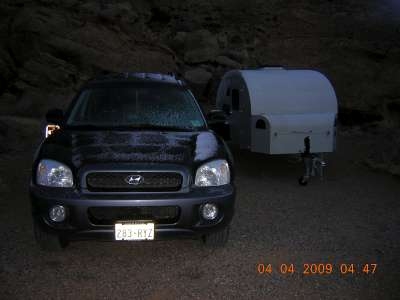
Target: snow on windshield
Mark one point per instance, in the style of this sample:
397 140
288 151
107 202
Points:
136 106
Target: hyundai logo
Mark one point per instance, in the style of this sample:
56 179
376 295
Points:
134 179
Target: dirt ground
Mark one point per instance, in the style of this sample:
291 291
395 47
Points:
352 217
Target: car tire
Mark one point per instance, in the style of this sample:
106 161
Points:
46 240
217 239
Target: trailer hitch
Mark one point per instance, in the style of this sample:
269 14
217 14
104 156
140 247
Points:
314 163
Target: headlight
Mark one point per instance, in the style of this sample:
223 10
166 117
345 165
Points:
53 173
213 173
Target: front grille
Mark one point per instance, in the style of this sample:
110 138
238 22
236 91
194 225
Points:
134 181
110 215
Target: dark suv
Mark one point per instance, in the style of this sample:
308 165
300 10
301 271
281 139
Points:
131 159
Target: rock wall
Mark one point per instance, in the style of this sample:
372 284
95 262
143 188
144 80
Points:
48 48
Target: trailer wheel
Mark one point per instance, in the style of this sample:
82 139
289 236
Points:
303 181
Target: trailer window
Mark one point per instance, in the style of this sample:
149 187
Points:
235 99
260 124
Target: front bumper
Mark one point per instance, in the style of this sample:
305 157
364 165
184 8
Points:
78 224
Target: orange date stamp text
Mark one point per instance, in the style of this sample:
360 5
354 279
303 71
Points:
309 269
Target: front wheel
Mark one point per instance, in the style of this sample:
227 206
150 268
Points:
217 239
48 241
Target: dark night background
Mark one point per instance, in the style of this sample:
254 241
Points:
48 48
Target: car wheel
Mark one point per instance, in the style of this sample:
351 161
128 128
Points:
46 240
217 239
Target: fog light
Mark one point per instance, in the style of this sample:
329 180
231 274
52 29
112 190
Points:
209 211
57 213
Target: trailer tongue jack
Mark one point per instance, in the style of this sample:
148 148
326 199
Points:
313 163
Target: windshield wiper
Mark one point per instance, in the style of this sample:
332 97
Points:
132 127
163 127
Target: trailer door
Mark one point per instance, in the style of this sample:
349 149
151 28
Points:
240 117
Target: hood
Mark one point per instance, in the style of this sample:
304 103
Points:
78 148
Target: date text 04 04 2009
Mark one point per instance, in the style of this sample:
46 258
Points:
318 268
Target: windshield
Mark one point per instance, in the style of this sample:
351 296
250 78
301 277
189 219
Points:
136 107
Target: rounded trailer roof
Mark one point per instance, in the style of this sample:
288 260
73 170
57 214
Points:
286 91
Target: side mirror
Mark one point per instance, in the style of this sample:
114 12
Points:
55 116
226 109
216 115
218 121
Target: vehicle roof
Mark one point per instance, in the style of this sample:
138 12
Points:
139 78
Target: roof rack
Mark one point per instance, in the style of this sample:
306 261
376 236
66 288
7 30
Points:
168 77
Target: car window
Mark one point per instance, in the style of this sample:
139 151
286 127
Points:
136 107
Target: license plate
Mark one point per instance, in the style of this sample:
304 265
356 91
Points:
134 231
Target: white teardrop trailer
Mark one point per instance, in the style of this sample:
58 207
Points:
279 111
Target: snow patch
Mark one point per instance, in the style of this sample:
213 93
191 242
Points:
206 146
129 147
